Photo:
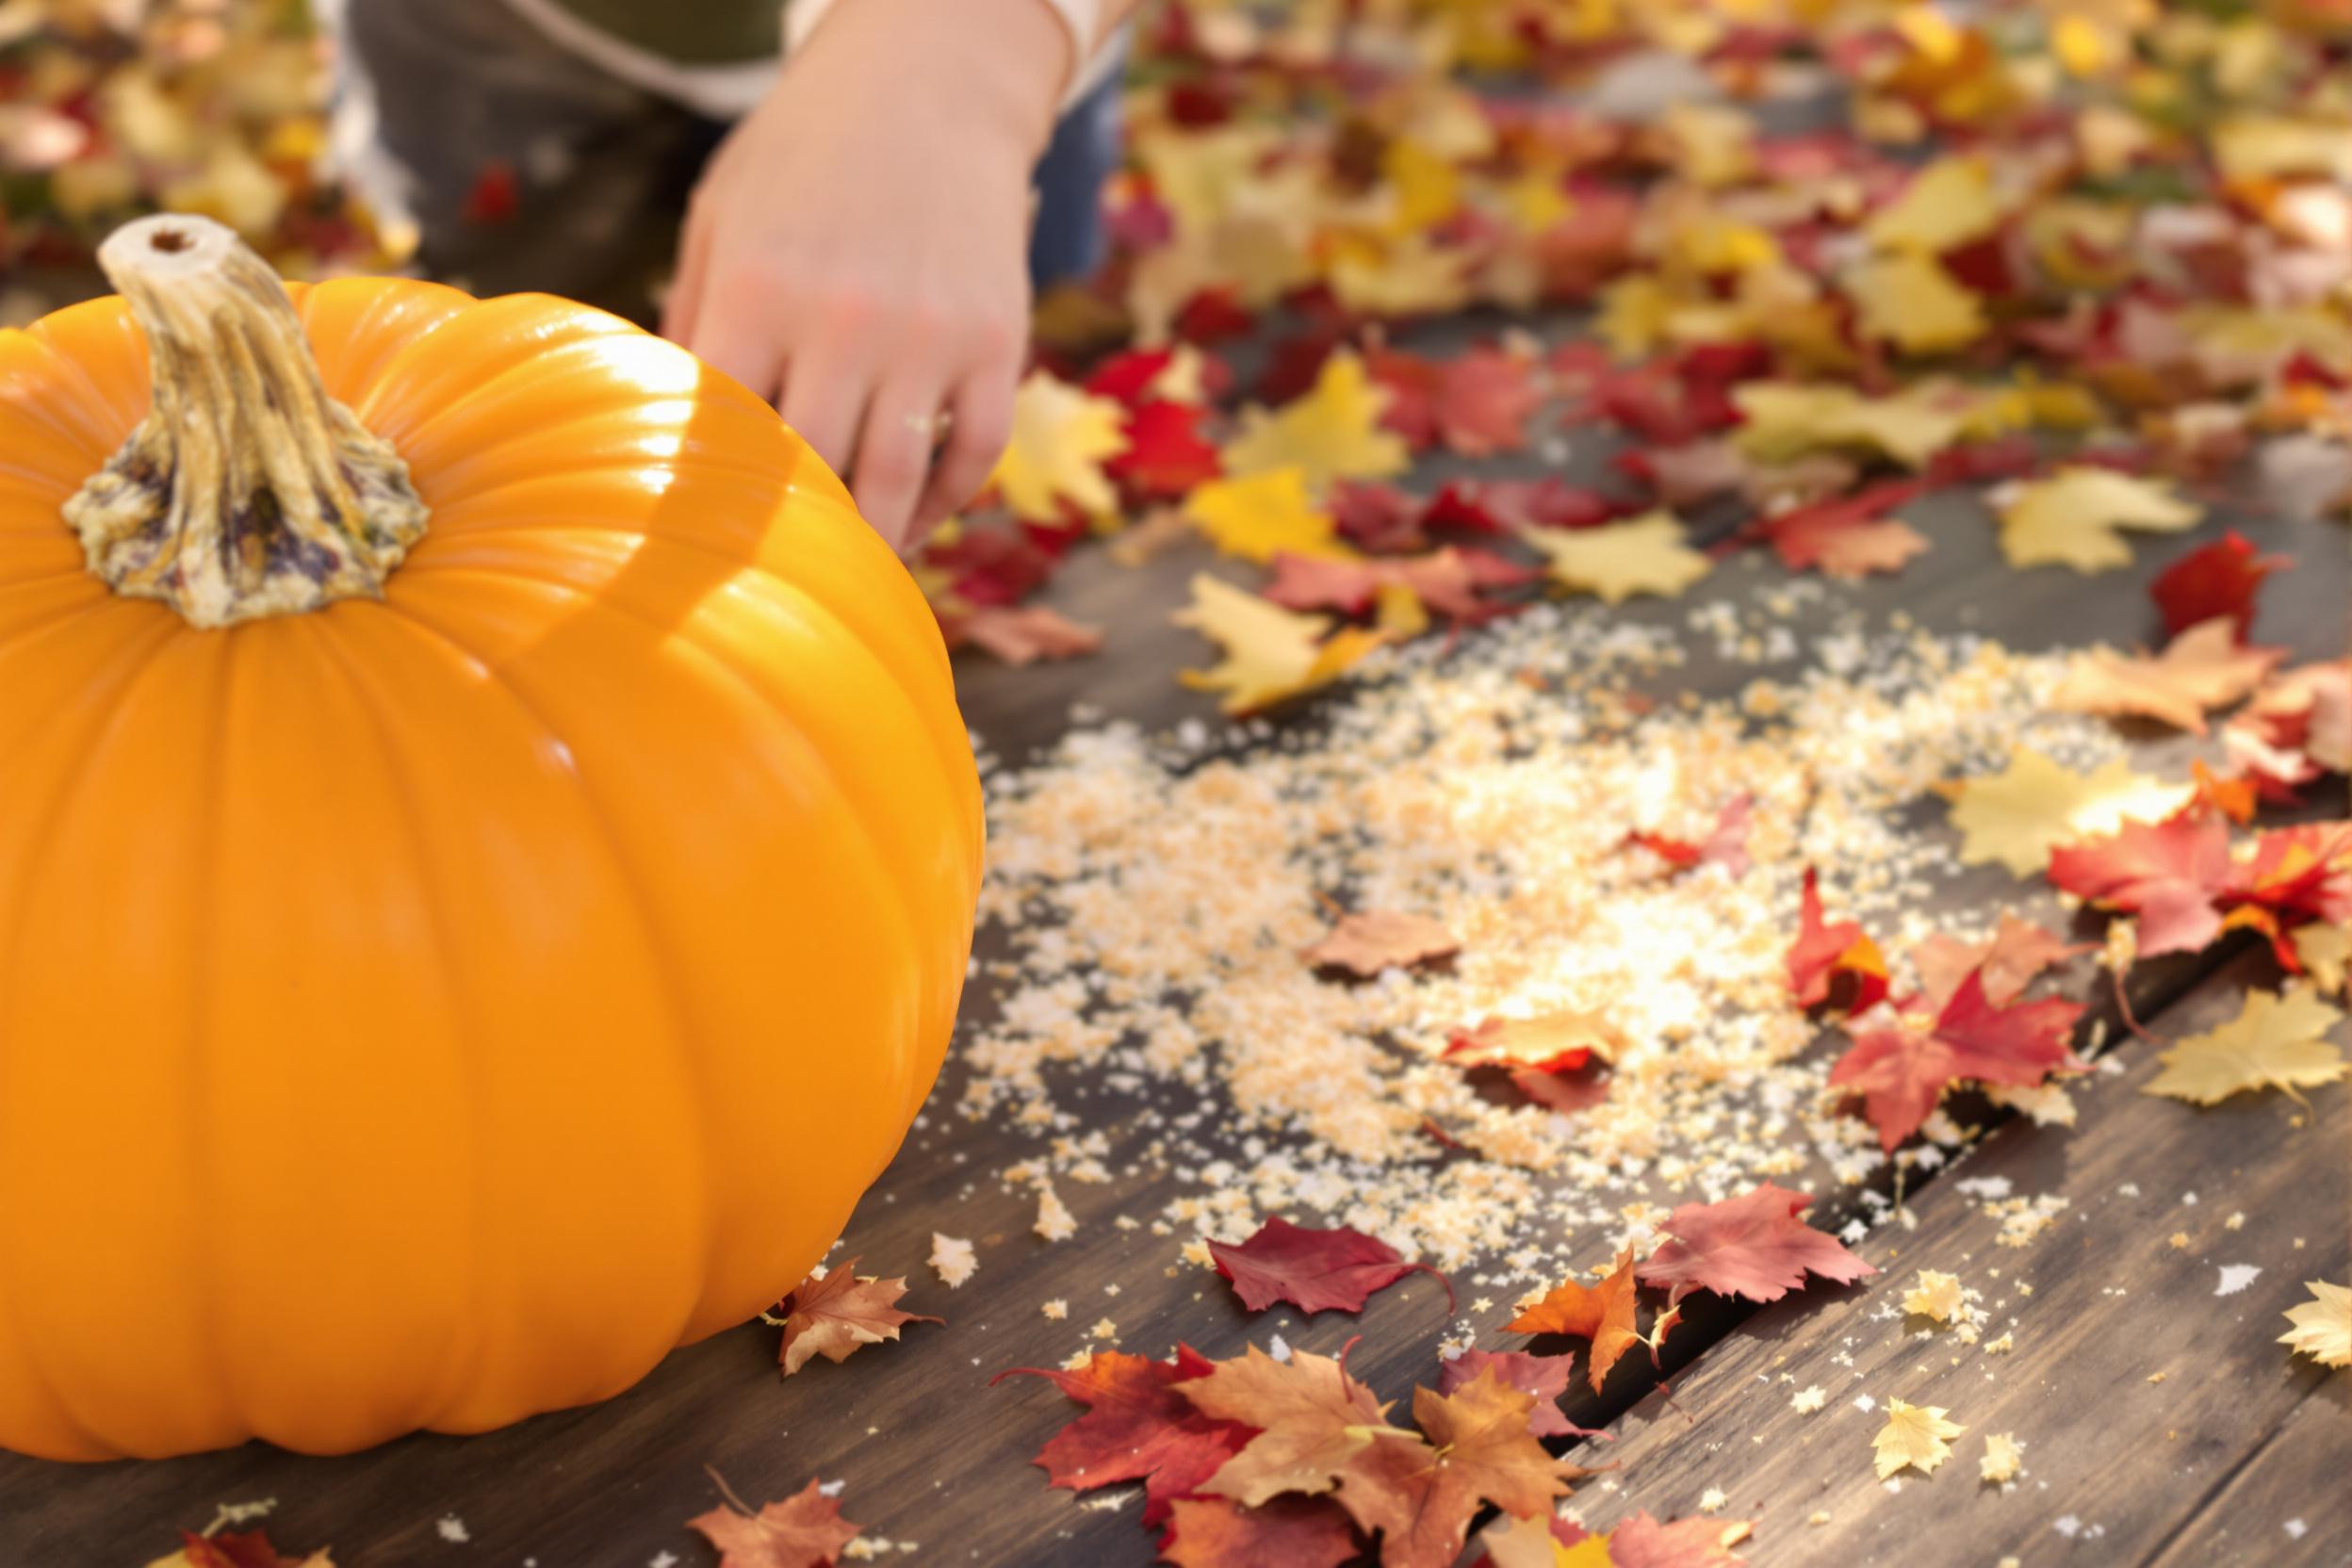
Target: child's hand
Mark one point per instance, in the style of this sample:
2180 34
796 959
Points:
855 253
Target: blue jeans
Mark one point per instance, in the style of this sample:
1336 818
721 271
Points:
1068 240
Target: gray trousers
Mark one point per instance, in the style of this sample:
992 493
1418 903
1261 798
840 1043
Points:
526 166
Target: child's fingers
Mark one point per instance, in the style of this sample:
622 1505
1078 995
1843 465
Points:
828 386
894 451
982 407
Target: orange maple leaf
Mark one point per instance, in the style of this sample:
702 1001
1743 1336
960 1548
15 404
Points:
833 1317
1603 1314
1421 1492
805 1530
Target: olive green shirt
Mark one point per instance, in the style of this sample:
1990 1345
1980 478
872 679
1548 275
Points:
689 32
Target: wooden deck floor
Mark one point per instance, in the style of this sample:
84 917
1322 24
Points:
2160 1423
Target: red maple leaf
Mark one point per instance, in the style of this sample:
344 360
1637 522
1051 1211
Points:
2214 581
1543 1378
1641 1541
1550 1042
805 1530
1547 502
1753 1245
2010 959
1137 1427
1484 400
1566 1091
1281 1532
1021 635
2295 875
1167 455
991 566
241 1549
1901 1067
1836 959
1413 382
1727 845
1849 536
495 195
1128 376
2171 873
1313 1270
1377 517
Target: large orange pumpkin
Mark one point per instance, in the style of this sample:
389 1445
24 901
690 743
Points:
502 940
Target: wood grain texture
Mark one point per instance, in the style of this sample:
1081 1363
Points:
931 1455
2149 1407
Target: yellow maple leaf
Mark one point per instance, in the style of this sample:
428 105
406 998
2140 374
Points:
1061 436
1785 420
1513 1542
2072 518
1333 432
1936 1295
2323 1325
1617 561
1198 177
1426 186
1270 653
1914 1435
1407 276
2276 1041
1261 514
1714 144
1948 204
2251 147
1909 300
2325 951
2001 1459
1635 312
2017 816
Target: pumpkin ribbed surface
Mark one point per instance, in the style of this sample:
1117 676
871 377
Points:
429 1010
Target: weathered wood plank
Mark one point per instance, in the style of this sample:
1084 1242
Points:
2137 1392
2290 1501
928 1453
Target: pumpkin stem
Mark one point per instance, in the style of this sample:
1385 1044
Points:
245 490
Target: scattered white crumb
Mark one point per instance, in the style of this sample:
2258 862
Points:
2296 1528
1054 1221
1279 1348
2236 1277
952 1259
1712 1500
1057 1309
1864 1403
1807 1400
452 1530
830 1489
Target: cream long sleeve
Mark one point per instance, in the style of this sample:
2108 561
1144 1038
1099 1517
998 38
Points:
731 91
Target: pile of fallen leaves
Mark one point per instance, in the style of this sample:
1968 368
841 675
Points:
111 110
1286 1459
2086 264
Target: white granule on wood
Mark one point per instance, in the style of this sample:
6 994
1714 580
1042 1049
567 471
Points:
2236 1277
1054 1221
952 1259
1155 894
452 1530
